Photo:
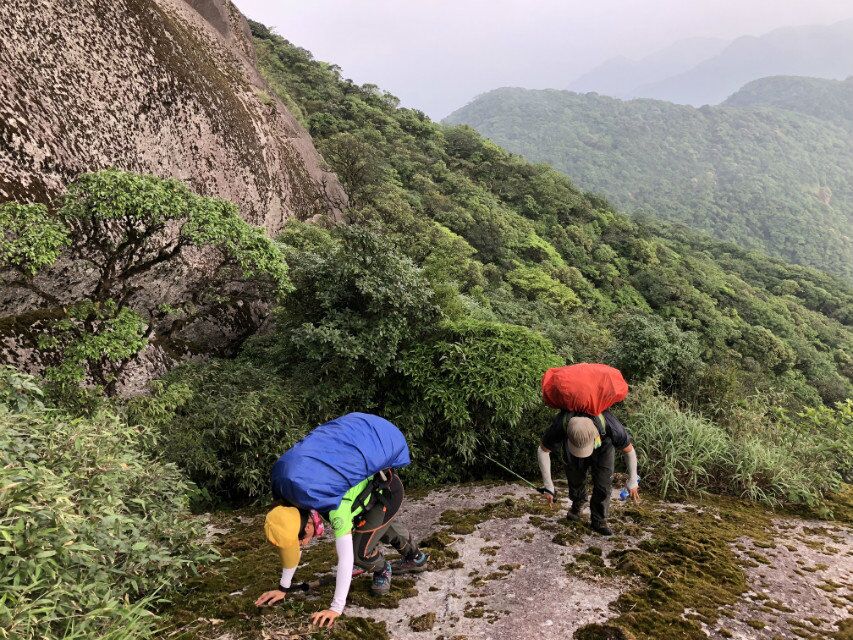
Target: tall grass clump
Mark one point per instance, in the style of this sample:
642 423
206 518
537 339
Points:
680 451
92 531
767 458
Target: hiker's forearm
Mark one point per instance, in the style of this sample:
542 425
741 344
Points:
631 463
286 577
545 468
346 561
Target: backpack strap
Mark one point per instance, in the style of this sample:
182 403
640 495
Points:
375 491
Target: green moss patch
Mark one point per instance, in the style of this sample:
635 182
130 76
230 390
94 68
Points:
685 561
603 632
222 598
464 522
423 622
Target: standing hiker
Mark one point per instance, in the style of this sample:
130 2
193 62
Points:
343 472
589 444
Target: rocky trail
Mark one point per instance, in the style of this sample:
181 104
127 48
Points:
507 567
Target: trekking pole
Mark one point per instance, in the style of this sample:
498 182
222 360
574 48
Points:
525 481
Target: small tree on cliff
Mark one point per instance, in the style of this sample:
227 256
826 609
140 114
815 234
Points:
123 257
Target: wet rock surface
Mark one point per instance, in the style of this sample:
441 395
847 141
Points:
507 567
166 87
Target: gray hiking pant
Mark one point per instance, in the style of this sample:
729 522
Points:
600 466
379 524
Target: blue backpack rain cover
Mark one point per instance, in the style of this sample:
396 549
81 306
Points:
319 469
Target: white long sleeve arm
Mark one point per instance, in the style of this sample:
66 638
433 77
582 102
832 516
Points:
286 578
343 577
631 463
545 468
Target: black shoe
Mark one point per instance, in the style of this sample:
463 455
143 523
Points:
602 529
382 580
574 513
414 562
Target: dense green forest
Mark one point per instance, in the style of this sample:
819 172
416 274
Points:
763 177
830 100
460 274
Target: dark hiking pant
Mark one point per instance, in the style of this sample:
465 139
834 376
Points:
600 466
379 524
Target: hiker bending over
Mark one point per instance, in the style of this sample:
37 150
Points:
321 471
589 444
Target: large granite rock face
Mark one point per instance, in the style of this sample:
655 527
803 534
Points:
167 87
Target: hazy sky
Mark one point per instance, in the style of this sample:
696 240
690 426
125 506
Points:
436 55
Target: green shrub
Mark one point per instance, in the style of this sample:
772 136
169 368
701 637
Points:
92 531
357 302
129 230
224 422
648 346
467 387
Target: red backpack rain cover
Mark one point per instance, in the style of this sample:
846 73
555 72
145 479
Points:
586 388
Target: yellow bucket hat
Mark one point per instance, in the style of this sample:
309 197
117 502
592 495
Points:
282 527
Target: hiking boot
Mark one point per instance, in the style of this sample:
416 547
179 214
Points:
602 529
415 561
382 580
574 513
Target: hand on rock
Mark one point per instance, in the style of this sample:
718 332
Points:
321 618
270 597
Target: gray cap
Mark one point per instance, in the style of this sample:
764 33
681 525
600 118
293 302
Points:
581 433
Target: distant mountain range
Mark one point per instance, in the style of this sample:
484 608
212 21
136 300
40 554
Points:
771 168
706 71
620 77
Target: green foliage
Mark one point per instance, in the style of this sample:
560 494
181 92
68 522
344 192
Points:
649 347
469 383
32 239
770 170
535 283
91 530
835 425
129 230
356 302
224 423
95 339
124 219
18 391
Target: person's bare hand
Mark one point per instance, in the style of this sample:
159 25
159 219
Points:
321 618
548 495
635 495
270 597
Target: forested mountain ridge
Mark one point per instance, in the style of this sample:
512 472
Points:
762 177
830 100
528 230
